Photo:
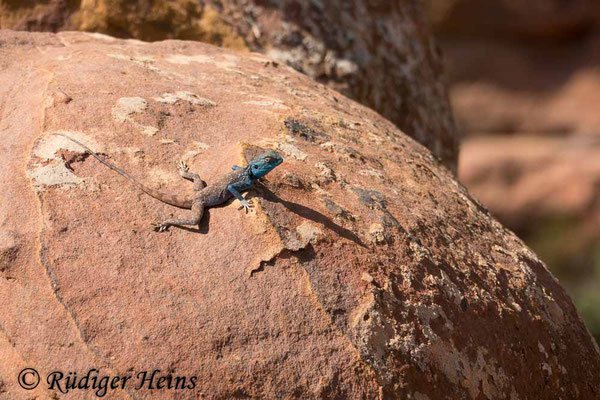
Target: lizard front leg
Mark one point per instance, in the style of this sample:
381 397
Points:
246 204
197 212
185 173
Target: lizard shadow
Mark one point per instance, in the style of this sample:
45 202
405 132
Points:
308 213
298 209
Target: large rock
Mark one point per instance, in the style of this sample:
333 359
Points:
379 53
366 270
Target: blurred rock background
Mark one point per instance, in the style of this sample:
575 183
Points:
525 86
524 83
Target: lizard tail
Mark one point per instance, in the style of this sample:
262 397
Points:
173 200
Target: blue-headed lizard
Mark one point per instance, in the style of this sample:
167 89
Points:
229 185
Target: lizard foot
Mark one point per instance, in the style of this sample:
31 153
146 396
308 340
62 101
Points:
246 205
182 167
160 227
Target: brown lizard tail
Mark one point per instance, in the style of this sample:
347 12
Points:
173 200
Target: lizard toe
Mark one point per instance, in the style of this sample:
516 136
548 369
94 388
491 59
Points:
182 166
159 227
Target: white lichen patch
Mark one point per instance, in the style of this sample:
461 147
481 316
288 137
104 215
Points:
194 150
377 233
144 60
226 61
136 42
268 142
447 286
308 233
147 61
479 376
292 151
185 59
172 98
372 173
305 233
127 106
51 171
201 146
119 56
542 349
100 36
543 303
147 130
268 102
374 334
326 173
329 146
50 175
427 313
48 145
546 368
376 139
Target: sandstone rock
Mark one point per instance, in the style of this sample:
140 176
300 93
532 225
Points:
392 283
379 53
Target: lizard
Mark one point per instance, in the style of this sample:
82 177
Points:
227 186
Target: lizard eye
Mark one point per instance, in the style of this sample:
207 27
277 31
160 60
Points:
255 166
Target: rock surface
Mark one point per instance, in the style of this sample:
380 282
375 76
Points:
366 270
379 53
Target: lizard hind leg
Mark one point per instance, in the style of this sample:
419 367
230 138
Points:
185 173
197 212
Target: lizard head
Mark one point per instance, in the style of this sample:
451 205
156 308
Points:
263 164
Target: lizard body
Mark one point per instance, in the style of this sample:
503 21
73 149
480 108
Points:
226 187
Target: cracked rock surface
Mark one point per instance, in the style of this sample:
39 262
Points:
365 271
